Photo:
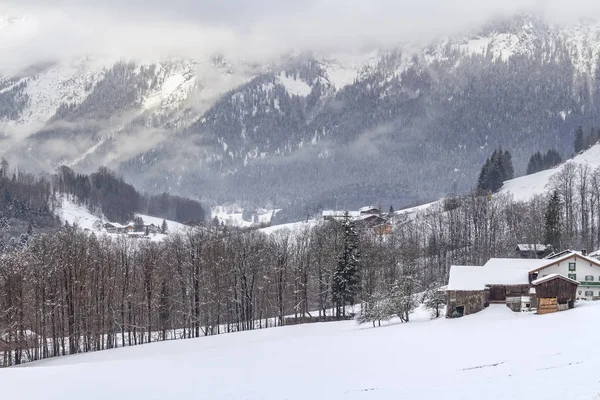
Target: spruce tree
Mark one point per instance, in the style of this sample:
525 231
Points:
345 283
579 144
164 227
552 228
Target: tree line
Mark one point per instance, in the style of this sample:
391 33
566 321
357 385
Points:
119 201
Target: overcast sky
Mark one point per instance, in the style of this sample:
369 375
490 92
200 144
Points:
257 28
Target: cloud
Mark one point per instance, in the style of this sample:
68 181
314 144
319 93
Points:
244 28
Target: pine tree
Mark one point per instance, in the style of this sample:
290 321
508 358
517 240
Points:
345 283
579 145
508 171
164 227
552 227
497 169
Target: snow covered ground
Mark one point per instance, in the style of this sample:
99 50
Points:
232 215
293 227
496 354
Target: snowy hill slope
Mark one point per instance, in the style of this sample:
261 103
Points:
525 187
81 216
402 361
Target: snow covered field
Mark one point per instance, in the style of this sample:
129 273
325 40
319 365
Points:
496 354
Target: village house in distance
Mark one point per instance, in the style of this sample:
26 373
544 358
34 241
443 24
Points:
131 229
550 284
369 216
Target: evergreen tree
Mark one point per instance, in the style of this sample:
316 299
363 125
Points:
345 283
164 227
497 169
508 171
579 145
552 227
552 159
535 163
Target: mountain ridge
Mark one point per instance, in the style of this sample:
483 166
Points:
305 130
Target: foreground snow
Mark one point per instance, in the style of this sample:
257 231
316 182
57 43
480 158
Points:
495 354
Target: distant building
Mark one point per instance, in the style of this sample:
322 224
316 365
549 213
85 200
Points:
369 210
151 229
532 250
114 227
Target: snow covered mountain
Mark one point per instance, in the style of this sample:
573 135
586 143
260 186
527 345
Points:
394 126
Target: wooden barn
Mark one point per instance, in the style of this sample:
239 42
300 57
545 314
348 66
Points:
555 293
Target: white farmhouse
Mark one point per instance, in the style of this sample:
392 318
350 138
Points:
576 266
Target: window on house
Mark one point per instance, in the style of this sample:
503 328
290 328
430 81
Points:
574 277
589 278
589 293
580 292
571 266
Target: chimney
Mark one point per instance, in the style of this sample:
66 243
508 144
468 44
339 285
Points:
583 252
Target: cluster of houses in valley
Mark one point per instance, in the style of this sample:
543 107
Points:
371 217
132 230
549 284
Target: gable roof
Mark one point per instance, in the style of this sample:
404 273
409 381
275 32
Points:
552 277
566 257
552 256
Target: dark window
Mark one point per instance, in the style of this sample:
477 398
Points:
573 276
589 278
589 293
572 266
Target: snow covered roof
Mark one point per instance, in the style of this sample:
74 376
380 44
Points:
516 263
370 216
532 247
465 278
551 277
497 271
115 225
367 209
341 214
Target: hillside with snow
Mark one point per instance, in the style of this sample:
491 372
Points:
528 186
396 361
80 215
